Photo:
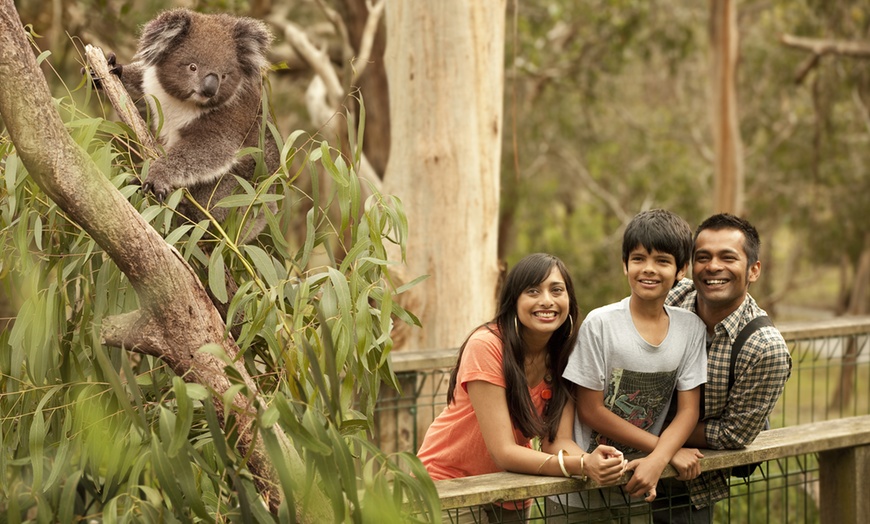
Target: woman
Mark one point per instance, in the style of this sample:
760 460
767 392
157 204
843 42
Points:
509 373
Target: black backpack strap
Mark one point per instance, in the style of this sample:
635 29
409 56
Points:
754 325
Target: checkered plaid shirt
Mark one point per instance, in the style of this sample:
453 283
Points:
763 366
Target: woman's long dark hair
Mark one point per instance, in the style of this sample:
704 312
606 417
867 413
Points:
530 271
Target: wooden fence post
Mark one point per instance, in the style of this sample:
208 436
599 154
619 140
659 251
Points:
845 485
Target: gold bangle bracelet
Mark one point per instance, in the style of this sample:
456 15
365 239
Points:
544 463
561 456
583 476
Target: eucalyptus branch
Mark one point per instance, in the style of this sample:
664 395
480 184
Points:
232 244
176 318
317 59
120 100
376 11
820 46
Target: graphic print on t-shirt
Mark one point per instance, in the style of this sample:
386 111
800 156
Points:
637 397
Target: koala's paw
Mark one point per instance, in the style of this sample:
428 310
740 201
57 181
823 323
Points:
95 80
114 68
157 188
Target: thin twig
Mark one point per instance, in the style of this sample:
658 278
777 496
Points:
376 10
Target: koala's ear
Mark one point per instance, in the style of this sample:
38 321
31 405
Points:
162 34
252 41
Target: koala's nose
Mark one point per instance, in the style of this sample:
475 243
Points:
210 85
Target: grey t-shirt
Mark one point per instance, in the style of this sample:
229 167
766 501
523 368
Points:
638 379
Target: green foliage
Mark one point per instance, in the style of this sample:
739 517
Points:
93 432
809 160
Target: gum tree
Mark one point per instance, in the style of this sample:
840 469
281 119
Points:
124 391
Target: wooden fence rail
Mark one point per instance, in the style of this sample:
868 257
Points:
843 447
829 389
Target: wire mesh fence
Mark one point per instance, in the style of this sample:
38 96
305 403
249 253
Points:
830 379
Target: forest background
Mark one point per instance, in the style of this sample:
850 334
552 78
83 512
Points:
606 112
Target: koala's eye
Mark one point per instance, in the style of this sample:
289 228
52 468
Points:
192 67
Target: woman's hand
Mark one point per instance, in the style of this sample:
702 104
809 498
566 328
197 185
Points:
605 465
686 463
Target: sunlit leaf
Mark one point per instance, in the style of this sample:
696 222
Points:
183 419
216 277
263 263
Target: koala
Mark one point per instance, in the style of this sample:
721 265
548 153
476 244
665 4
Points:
206 72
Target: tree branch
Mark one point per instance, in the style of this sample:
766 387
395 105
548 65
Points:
316 58
117 95
827 47
325 94
820 47
373 21
172 329
579 168
340 27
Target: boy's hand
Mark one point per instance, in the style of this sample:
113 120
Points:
647 471
686 463
605 465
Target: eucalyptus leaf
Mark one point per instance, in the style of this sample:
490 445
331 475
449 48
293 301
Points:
216 276
183 419
263 263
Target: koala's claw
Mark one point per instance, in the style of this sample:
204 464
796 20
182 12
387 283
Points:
160 194
114 68
95 80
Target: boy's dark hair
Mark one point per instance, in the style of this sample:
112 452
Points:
660 230
751 241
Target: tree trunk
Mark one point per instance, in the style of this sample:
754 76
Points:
728 186
445 63
172 330
842 394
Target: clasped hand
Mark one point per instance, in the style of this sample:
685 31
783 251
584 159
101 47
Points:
687 463
605 465
648 471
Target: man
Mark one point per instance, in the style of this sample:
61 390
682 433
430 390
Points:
725 263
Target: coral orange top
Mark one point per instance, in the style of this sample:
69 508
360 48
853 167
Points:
453 446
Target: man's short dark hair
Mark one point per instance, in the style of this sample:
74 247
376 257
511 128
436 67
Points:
751 242
660 230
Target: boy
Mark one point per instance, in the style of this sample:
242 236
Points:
629 358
